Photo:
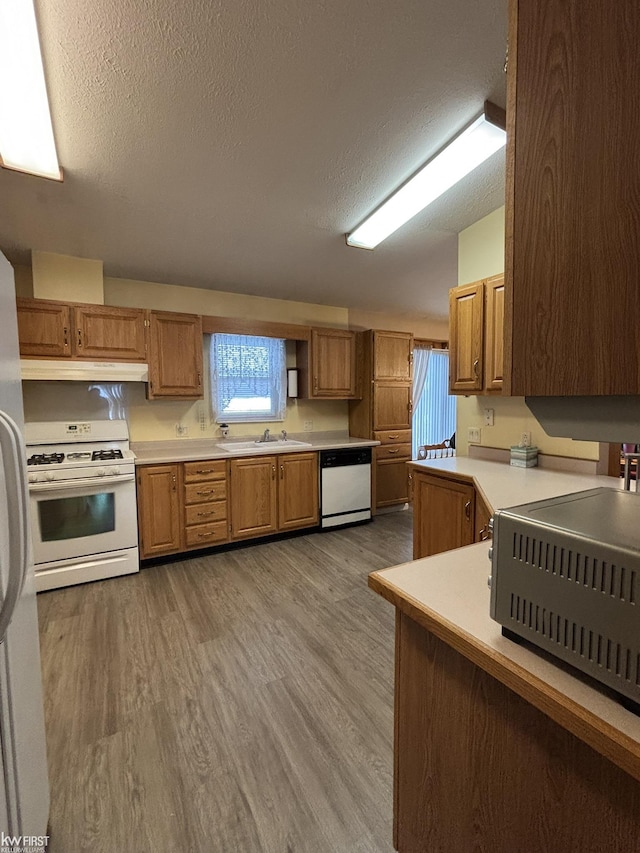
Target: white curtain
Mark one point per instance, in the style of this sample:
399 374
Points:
434 413
248 378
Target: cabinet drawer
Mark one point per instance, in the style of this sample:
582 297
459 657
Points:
195 471
393 436
395 451
205 534
198 493
206 513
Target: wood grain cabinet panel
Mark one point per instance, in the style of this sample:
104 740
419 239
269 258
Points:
392 406
392 356
44 328
175 355
327 365
205 491
392 481
159 516
443 514
572 210
466 338
254 496
494 335
112 334
298 498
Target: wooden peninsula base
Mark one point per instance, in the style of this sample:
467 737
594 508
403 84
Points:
478 768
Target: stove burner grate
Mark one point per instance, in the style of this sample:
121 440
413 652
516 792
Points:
45 458
105 455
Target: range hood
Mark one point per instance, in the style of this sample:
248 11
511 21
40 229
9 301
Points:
614 419
84 371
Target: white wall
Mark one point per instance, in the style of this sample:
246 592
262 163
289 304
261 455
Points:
480 255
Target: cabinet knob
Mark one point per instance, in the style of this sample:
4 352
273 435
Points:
282 472
273 472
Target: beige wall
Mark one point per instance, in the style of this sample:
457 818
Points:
66 278
169 297
480 255
436 328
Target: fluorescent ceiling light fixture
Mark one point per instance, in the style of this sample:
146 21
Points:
26 134
482 138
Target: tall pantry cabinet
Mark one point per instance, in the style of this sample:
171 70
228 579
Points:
384 412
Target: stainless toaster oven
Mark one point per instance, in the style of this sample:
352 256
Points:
565 576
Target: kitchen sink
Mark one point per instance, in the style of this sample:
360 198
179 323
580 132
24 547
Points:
261 446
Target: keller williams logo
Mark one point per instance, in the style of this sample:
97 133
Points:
23 843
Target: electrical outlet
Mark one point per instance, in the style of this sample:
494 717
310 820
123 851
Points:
525 439
473 435
308 426
182 431
488 417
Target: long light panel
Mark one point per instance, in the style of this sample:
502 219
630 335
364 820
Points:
26 133
462 155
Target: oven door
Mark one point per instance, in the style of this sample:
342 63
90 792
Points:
81 517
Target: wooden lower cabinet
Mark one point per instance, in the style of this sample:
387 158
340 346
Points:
298 498
443 514
273 493
183 506
392 481
254 496
477 767
159 516
482 518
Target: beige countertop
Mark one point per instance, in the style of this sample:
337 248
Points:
449 596
186 450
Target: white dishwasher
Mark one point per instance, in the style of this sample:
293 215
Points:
345 486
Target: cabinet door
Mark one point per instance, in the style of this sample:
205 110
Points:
494 333
391 406
44 328
297 490
253 496
443 513
159 516
113 334
333 353
572 244
393 356
466 319
482 518
392 481
175 355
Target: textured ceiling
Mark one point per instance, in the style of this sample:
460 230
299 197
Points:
231 145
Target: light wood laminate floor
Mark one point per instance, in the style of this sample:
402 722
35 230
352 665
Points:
240 701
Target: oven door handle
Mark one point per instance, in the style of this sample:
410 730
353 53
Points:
15 475
86 482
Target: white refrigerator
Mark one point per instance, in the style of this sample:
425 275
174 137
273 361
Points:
24 784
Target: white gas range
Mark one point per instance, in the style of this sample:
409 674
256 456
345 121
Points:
82 501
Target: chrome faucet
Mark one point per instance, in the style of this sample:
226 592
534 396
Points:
265 435
283 435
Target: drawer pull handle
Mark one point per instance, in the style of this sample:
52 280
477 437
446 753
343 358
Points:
476 366
205 471
204 514
394 436
204 535
208 492
467 510
397 450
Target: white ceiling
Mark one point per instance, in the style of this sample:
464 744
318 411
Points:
231 145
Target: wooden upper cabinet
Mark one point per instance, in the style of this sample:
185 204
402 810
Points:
466 338
175 355
572 212
44 328
392 356
494 334
391 406
254 496
327 365
113 334
298 497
